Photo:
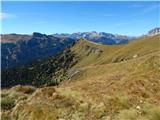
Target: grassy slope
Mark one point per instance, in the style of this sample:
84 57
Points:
116 53
110 85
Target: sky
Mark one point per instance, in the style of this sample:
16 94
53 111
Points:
126 18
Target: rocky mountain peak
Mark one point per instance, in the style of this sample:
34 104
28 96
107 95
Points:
154 31
38 35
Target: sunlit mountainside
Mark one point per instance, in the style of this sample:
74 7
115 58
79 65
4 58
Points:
87 81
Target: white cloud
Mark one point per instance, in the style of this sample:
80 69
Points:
4 15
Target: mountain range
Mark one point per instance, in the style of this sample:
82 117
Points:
99 37
154 31
19 49
87 81
22 49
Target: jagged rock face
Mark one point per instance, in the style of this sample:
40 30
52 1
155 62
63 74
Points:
92 49
19 49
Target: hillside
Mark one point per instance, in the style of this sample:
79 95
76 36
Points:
19 49
49 71
13 38
22 49
96 54
118 82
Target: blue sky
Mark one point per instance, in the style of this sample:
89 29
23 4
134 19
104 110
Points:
128 18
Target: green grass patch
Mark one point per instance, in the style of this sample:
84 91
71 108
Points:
7 103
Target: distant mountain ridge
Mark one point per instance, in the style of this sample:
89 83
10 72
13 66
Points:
98 37
21 49
154 31
13 38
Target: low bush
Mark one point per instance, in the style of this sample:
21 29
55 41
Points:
128 114
4 94
117 102
155 113
7 103
25 89
151 111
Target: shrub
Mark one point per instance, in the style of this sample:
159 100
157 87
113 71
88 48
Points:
99 110
123 102
25 89
4 95
155 113
128 114
7 103
117 102
151 111
5 116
